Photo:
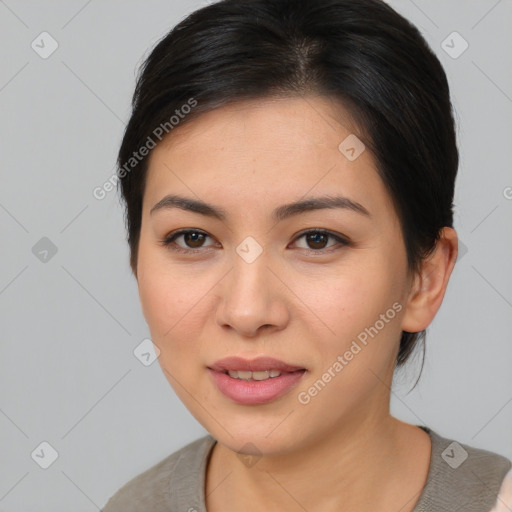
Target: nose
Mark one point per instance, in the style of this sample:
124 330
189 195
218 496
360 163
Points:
252 299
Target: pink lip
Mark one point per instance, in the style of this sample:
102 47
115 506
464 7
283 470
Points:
254 392
261 363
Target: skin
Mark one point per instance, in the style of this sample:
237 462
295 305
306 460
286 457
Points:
343 448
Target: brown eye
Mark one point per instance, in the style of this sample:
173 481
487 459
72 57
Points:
193 239
317 240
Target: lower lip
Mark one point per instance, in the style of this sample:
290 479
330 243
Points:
253 392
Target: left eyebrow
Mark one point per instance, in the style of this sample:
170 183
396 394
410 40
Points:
278 214
318 203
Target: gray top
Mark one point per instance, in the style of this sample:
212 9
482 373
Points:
460 477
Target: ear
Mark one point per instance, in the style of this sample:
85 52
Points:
429 285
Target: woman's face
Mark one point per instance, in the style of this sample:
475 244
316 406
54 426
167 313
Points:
256 283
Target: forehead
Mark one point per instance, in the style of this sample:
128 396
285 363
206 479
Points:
308 118
267 152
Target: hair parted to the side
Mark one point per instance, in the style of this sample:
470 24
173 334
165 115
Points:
360 52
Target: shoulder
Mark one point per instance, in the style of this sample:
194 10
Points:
458 470
504 500
150 491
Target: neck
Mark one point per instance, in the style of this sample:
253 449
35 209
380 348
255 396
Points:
364 465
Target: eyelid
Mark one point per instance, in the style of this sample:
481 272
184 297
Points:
341 239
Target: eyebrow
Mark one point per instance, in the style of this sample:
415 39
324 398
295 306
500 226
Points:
278 214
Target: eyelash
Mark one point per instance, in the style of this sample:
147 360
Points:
169 240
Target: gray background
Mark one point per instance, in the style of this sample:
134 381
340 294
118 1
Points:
70 324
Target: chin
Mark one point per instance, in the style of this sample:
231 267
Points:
249 439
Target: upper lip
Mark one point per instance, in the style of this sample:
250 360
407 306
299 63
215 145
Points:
261 363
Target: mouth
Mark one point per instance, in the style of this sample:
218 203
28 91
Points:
256 381
255 366
249 376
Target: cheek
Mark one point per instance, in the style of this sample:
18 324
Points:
171 301
352 362
354 299
356 314
172 307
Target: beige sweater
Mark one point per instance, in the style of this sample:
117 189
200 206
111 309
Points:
477 482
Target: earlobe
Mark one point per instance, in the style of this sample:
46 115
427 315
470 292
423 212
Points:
429 285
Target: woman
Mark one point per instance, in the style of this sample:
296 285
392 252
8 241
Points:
288 172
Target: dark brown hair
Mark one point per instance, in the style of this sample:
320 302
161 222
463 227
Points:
361 52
